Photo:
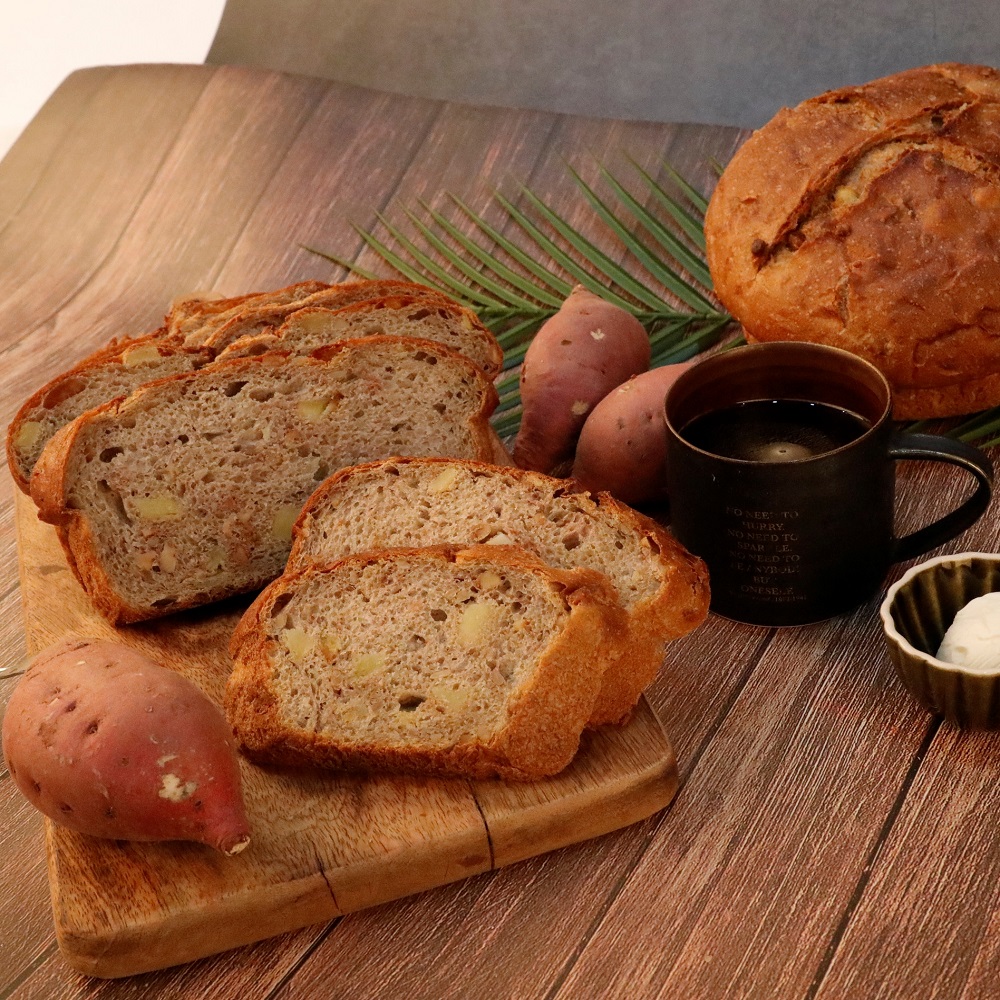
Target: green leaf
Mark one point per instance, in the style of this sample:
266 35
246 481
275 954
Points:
693 194
445 282
686 257
598 259
503 272
691 226
686 293
499 292
340 262
557 285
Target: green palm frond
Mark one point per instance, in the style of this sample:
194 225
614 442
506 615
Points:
515 275
981 429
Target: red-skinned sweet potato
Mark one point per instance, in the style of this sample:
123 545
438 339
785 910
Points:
623 444
578 356
109 743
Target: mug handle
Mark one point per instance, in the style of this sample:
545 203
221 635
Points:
936 448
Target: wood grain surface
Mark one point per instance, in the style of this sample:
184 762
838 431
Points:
829 838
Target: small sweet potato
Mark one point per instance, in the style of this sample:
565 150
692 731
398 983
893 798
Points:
109 743
623 444
578 356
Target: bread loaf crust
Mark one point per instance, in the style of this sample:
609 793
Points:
544 718
868 218
253 317
454 326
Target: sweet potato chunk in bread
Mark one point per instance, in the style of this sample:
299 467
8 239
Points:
106 374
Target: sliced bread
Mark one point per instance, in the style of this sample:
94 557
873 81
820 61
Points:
107 374
476 663
185 492
260 317
195 319
412 502
395 315
121 366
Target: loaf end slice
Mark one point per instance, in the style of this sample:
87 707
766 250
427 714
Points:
395 315
260 316
478 663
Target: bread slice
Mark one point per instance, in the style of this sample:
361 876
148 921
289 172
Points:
122 365
185 492
414 502
477 663
257 318
106 374
394 315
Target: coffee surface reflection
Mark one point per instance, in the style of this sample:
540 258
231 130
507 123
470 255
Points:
775 430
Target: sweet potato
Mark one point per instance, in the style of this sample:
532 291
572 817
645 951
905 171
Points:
107 742
578 356
623 444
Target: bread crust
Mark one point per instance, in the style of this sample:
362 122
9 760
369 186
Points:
50 483
255 317
545 717
868 218
481 347
679 605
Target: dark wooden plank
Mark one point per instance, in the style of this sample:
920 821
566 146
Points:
25 928
87 192
469 152
924 926
347 160
252 973
192 213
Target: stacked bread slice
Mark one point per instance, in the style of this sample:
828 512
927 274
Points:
174 474
296 320
438 676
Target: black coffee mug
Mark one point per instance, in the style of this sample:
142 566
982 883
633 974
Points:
781 476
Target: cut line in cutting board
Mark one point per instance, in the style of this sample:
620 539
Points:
324 843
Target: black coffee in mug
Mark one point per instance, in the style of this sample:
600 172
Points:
781 476
775 430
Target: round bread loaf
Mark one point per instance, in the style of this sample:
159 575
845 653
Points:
868 218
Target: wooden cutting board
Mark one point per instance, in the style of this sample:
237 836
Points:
323 843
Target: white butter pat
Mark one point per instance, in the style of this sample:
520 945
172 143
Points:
973 639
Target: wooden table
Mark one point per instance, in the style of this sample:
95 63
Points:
830 839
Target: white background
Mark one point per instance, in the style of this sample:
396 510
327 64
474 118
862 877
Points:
43 41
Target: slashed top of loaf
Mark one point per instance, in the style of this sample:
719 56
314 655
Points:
868 218
191 485
399 503
402 649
